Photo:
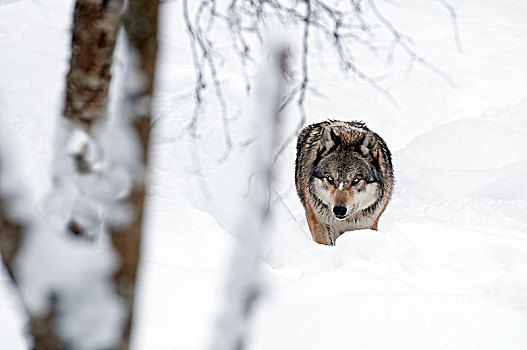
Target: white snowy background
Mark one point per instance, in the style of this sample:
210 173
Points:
447 268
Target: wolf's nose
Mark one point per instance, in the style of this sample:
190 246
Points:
339 211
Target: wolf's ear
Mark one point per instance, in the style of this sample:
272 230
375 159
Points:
330 138
368 144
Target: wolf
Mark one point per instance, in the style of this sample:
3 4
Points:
343 176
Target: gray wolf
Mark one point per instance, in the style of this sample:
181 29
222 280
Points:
344 178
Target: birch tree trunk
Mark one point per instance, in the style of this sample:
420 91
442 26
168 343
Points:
95 26
140 23
86 101
94 32
52 304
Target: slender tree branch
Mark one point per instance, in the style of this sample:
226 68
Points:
344 25
455 28
403 43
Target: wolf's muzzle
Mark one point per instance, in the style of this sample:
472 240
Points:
340 211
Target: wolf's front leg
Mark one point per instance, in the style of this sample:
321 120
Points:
320 232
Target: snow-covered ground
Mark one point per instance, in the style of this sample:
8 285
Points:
446 270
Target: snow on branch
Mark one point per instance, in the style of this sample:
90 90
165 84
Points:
64 282
14 201
243 284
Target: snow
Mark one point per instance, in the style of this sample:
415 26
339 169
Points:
88 309
448 266
51 263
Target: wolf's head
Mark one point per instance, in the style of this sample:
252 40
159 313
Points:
346 177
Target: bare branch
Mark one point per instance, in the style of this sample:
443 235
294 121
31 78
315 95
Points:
205 54
305 76
453 19
342 24
403 43
198 66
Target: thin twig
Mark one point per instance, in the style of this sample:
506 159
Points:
406 47
455 28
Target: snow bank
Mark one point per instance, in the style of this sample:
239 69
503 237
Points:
446 269
469 158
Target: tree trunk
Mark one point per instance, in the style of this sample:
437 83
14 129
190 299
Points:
141 27
10 235
95 27
94 32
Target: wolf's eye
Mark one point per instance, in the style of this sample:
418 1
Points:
330 179
356 179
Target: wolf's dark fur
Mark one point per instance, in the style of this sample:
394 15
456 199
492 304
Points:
344 178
